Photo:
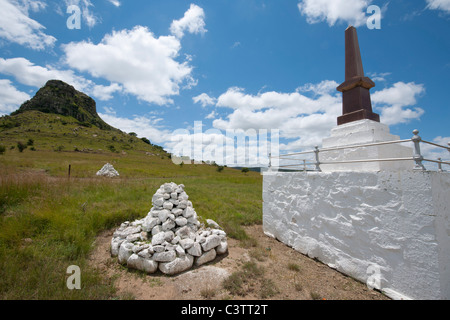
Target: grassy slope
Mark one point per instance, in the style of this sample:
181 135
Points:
62 217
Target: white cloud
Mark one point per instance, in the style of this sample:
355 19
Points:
115 2
212 115
321 88
105 93
379 77
142 64
205 100
144 126
32 75
16 25
193 22
443 5
10 97
335 11
392 102
434 153
306 120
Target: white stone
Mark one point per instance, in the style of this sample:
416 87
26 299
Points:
186 243
159 248
177 211
115 245
158 202
211 223
125 251
158 239
178 265
188 212
206 257
163 215
128 231
168 225
149 223
145 254
179 251
195 250
222 248
168 236
184 232
147 265
181 221
168 205
165 256
211 242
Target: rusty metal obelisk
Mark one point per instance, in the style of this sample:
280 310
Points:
356 103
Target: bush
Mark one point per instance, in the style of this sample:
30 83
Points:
59 148
245 170
220 168
21 146
2 149
146 140
30 142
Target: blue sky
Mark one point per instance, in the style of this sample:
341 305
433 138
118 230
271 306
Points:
156 67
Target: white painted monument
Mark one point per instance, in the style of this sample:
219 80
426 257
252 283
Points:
385 223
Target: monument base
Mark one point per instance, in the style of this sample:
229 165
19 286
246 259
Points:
364 132
358 115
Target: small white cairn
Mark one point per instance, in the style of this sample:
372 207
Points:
170 238
108 171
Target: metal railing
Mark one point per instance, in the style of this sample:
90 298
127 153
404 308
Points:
417 157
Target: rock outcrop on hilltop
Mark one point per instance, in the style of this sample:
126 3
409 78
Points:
58 97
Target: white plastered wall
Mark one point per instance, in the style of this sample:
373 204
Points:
389 229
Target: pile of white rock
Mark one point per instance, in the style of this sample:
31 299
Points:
170 238
108 171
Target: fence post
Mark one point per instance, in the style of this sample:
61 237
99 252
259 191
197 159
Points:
316 151
270 160
440 165
417 155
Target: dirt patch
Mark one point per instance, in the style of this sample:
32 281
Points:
267 269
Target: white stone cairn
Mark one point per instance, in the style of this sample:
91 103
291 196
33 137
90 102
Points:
170 238
108 171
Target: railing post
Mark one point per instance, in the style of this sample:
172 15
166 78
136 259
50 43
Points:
440 165
270 160
316 151
417 155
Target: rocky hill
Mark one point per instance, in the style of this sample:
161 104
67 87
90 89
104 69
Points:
58 97
60 118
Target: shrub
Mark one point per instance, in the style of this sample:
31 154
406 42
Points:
21 146
2 149
146 140
220 168
245 170
30 142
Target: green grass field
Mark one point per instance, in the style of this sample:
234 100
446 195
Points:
49 221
